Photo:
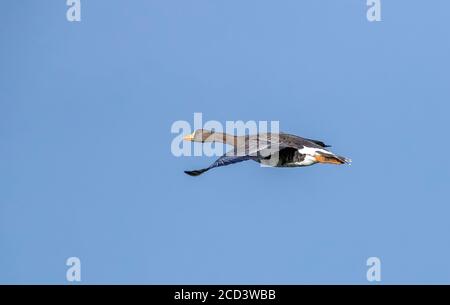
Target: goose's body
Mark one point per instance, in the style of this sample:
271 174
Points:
275 150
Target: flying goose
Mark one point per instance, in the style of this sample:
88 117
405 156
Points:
269 149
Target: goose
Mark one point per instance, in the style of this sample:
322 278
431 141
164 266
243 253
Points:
268 149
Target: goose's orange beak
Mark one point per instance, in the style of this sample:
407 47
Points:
189 137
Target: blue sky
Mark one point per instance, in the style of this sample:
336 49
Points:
86 168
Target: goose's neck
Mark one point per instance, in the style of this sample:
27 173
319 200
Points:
222 138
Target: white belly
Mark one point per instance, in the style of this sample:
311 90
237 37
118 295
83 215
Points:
309 160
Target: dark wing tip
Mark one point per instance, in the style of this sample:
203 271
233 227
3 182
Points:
194 173
320 143
317 142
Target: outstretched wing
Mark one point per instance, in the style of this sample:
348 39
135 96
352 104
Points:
222 161
320 143
261 146
289 140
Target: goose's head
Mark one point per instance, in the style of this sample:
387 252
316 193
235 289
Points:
200 135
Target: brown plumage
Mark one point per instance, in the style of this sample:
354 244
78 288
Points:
270 149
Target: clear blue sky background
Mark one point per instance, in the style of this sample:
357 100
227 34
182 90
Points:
86 168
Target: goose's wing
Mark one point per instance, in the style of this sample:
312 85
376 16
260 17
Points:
261 145
265 146
320 143
250 148
288 140
222 161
